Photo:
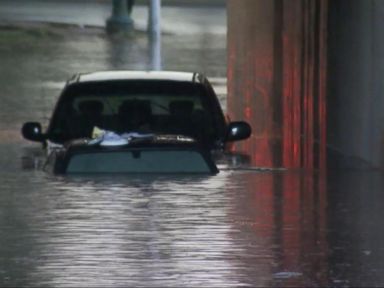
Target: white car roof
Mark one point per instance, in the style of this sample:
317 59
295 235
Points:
136 75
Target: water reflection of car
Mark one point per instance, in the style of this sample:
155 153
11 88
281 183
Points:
175 116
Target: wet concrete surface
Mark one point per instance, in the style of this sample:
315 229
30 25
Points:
176 19
241 228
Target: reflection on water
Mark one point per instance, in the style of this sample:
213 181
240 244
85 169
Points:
284 216
120 232
239 228
355 229
227 230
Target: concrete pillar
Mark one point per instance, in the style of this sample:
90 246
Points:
120 20
277 79
154 17
356 90
154 30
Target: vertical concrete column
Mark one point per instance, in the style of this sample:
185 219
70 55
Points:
356 90
154 17
250 75
276 79
304 70
120 19
154 31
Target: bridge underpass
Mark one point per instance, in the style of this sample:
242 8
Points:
242 228
308 77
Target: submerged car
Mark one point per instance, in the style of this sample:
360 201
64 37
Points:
162 122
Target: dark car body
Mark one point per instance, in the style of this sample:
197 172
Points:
158 154
158 103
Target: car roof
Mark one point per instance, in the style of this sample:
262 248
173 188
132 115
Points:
101 76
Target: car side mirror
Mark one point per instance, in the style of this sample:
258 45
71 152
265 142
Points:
238 130
32 131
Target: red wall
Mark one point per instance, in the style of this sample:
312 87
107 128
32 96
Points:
277 79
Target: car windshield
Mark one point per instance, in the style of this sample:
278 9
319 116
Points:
143 106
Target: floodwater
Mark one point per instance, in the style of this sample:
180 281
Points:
243 227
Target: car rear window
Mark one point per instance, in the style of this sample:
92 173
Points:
144 106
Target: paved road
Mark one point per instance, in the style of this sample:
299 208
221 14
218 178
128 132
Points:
175 19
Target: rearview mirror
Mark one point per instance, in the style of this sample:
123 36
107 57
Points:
32 131
238 130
